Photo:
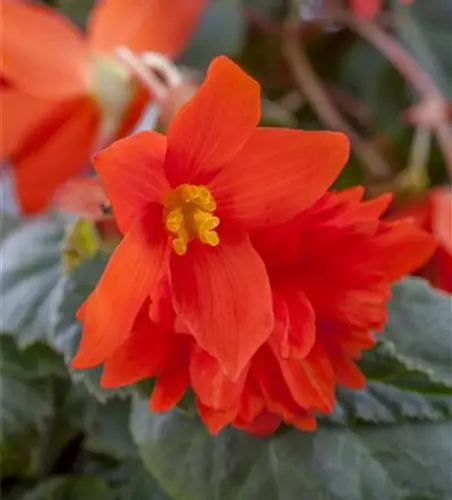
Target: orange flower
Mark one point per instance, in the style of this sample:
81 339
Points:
187 203
330 271
433 212
67 94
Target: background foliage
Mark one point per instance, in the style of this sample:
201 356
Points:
62 437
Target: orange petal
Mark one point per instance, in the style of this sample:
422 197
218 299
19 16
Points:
279 173
130 276
441 202
131 171
223 294
18 113
174 377
210 385
53 152
265 424
311 381
216 420
43 53
375 207
306 422
401 248
213 125
345 370
294 333
144 25
252 402
140 356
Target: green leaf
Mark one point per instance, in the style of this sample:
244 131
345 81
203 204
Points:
26 405
419 329
366 463
30 272
131 481
108 430
221 31
71 488
65 330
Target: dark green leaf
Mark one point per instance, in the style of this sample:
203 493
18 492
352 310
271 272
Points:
391 462
26 405
71 488
108 430
30 272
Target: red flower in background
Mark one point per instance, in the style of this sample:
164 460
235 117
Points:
367 9
187 204
330 271
63 94
433 212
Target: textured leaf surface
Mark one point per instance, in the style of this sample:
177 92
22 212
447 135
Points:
71 488
26 404
391 462
30 269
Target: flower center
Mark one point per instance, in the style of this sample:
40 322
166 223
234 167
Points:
189 215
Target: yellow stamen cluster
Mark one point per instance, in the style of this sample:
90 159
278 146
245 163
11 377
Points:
189 215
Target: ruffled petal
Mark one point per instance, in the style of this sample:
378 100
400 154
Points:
311 381
265 424
223 294
213 125
18 113
144 25
216 420
57 149
43 53
131 171
279 173
345 370
210 385
174 377
401 248
295 329
140 356
130 276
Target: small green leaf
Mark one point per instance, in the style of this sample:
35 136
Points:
71 488
31 268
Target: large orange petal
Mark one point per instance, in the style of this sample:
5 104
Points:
144 25
223 294
42 52
53 152
210 385
140 356
18 113
212 127
278 173
131 171
130 276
